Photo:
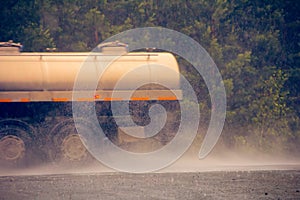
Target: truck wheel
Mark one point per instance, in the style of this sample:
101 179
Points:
12 148
73 148
16 148
67 145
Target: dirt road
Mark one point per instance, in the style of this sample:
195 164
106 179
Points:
261 184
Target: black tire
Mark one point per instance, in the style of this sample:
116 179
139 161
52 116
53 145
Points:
17 148
67 147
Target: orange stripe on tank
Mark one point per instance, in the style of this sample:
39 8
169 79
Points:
24 100
139 98
112 99
171 98
60 99
5 100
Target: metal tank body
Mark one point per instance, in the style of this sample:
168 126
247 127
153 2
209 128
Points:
28 75
36 90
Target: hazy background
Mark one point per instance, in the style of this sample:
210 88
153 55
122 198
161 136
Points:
255 45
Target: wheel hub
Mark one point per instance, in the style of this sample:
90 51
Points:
11 148
73 148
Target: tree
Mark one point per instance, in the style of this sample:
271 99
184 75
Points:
254 43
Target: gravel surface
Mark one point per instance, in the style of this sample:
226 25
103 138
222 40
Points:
253 184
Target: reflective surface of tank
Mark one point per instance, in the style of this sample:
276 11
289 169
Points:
36 99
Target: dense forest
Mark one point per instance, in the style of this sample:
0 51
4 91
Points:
255 44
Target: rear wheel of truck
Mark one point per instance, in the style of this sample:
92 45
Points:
17 148
68 146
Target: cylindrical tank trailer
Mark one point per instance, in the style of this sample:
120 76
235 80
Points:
37 91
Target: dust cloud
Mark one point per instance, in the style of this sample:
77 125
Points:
229 160
220 159
226 160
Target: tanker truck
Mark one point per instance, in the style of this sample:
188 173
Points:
36 121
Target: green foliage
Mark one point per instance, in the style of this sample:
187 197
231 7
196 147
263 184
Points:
255 44
38 38
269 108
